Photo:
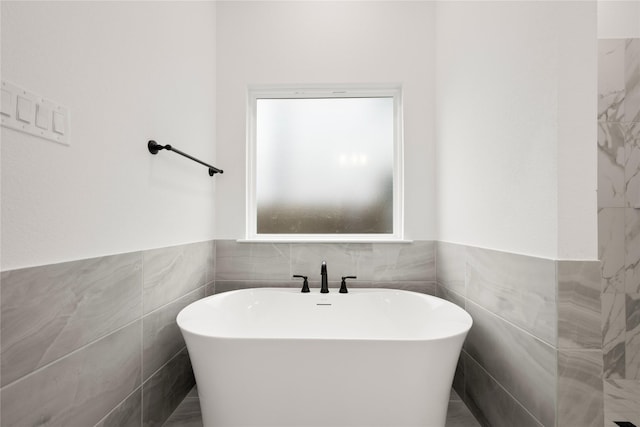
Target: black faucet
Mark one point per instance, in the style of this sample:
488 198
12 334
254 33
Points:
325 283
305 283
343 285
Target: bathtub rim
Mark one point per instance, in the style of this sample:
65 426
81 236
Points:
464 331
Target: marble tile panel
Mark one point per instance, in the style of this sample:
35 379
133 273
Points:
232 285
612 157
631 133
622 400
614 419
404 261
335 284
632 80
632 337
187 414
422 287
519 288
163 392
193 393
611 248
343 259
611 79
579 317
613 335
580 395
458 415
451 296
458 377
49 311
172 272
253 261
632 250
210 288
450 265
490 403
524 365
81 388
161 336
211 261
127 414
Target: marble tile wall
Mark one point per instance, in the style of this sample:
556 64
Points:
533 356
399 265
105 327
619 224
94 342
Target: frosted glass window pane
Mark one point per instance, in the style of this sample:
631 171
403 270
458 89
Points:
325 165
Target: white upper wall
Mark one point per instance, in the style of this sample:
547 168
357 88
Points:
577 130
326 42
618 19
516 151
516 126
128 72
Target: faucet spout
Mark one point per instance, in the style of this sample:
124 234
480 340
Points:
325 282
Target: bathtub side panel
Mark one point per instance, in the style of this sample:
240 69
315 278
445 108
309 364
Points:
323 382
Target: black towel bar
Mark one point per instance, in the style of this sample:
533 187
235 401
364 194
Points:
154 147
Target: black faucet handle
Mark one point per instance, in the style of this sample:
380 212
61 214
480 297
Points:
305 283
343 284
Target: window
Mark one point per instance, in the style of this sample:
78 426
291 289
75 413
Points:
324 164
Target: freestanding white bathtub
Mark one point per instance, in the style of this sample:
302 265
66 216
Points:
278 357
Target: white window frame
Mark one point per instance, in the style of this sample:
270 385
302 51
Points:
326 91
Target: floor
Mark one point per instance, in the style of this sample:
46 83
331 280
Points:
187 414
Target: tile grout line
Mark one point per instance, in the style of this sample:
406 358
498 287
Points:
119 403
499 384
556 388
37 370
175 300
142 344
514 325
161 367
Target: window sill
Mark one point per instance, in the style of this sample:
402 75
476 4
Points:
307 240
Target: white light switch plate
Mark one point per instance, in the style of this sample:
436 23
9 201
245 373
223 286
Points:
26 109
43 117
7 103
27 112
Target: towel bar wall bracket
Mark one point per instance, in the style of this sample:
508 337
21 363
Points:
154 147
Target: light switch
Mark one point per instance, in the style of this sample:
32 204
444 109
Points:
43 116
33 114
58 123
25 109
6 103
